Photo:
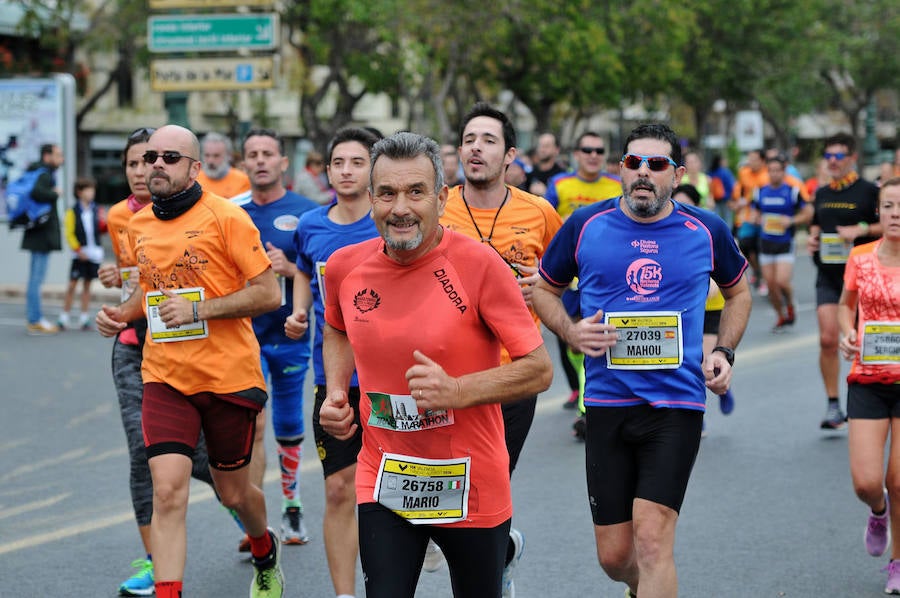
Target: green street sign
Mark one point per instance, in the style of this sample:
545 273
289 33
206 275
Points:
212 32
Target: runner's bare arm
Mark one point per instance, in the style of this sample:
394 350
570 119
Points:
262 294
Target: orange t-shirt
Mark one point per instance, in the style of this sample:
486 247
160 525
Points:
878 288
523 229
117 218
214 245
233 183
457 304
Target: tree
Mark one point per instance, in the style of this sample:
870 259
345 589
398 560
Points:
859 41
356 43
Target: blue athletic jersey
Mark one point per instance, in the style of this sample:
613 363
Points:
783 200
277 222
317 238
626 266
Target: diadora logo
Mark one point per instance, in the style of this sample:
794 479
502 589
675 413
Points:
450 290
366 300
645 246
644 276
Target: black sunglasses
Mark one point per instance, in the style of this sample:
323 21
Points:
168 156
592 150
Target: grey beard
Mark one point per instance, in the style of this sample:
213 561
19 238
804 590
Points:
646 210
217 173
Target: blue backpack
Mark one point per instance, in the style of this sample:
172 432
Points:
22 210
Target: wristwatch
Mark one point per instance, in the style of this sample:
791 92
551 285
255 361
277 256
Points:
727 352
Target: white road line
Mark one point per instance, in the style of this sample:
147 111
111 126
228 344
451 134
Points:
33 506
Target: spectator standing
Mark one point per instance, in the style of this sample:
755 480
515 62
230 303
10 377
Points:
83 225
42 239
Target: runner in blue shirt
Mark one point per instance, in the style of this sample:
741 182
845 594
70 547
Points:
643 263
275 212
778 209
319 234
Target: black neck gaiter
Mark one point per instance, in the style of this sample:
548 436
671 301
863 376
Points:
168 208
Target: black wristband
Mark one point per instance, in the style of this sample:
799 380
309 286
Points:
196 315
727 352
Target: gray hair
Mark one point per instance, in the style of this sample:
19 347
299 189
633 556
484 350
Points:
218 137
408 146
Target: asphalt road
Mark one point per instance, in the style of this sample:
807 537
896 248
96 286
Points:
770 510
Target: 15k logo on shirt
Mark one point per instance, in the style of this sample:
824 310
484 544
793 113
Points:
644 276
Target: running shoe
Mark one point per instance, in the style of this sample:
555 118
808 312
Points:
763 289
726 402
579 428
878 531
141 583
293 530
893 582
834 418
791 316
63 321
572 401
434 557
518 540
41 328
780 325
268 578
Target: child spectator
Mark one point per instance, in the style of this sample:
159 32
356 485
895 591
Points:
83 226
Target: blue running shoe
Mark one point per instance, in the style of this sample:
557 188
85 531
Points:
141 583
726 402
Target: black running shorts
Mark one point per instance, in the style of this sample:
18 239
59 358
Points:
873 401
336 454
638 452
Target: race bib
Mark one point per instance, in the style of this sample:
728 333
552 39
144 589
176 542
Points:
880 343
647 341
157 330
399 413
833 249
129 277
773 224
424 491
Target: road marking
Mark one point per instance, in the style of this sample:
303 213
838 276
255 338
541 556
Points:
97 412
33 506
70 456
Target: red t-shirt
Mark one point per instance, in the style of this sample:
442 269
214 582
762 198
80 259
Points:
458 305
